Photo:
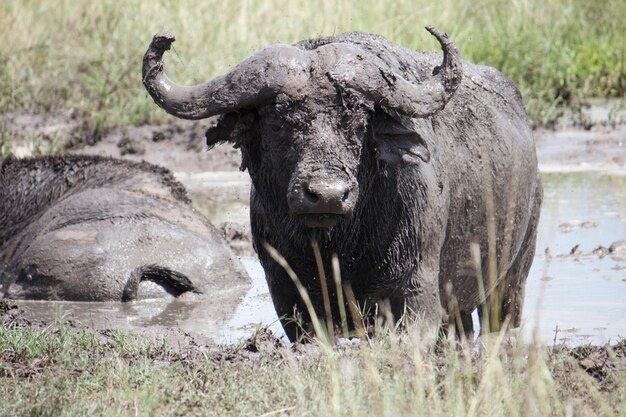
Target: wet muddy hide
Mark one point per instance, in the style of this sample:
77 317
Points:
84 228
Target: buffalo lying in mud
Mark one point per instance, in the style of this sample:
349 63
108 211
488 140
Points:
86 228
418 171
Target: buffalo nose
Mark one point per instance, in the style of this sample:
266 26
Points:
324 197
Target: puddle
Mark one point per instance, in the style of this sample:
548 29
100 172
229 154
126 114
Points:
585 296
208 320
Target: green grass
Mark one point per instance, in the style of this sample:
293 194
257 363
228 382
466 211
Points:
86 55
59 371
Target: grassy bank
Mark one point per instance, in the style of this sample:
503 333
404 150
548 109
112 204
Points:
59 371
86 56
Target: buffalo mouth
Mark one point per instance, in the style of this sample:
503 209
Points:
320 221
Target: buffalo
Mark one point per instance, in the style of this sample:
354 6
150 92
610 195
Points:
86 228
417 170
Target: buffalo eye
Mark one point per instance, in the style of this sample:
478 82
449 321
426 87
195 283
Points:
395 142
273 123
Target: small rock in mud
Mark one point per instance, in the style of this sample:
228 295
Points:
600 251
158 136
589 364
618 249
575 250
129 146
588 225
568 227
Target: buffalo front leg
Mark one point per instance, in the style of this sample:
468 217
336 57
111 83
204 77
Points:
420 304
289 308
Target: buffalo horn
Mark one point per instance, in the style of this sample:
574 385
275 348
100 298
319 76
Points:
254 81
389 89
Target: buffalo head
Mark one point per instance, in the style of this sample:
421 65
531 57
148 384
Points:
313 120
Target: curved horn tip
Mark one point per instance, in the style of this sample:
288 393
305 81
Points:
441 37
163 40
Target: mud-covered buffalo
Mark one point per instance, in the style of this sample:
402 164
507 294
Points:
87 228
418 170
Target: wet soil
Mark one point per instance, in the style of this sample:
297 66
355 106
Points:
603 363
600 148
179 145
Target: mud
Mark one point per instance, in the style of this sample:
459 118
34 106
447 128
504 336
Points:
602 363
600 149
178 145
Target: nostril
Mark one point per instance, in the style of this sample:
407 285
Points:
310 196
321 196
345 196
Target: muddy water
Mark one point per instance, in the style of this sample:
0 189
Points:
572 293
582 295
206 320
577 298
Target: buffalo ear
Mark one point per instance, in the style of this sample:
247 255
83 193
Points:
230 127
394 141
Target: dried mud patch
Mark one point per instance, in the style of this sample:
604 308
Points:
178 146
25 134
